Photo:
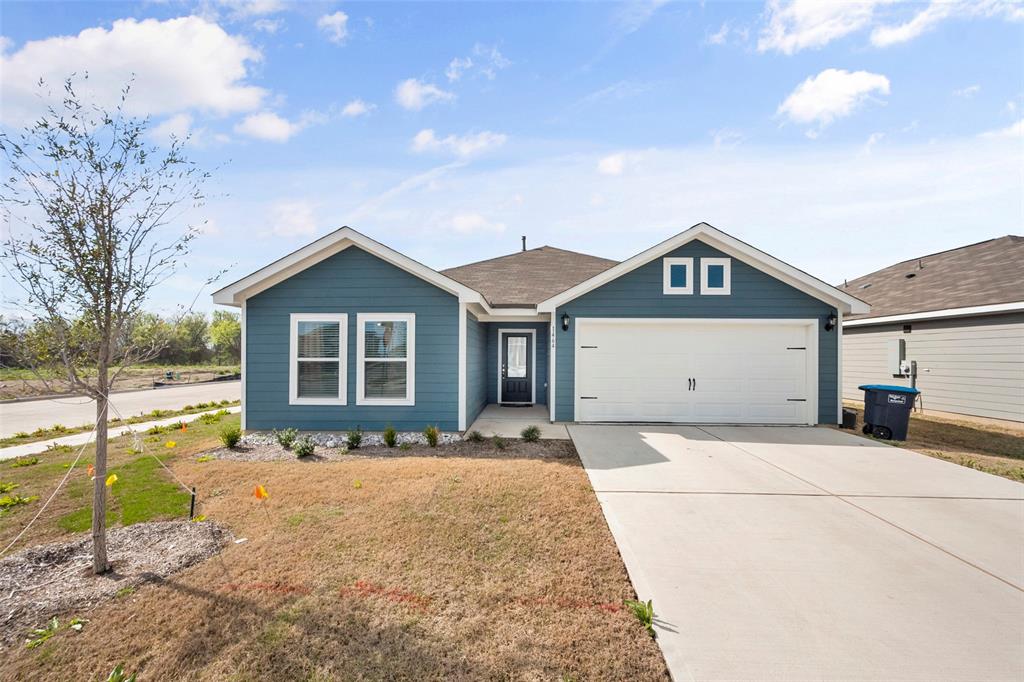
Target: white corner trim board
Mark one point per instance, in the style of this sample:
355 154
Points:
463 359
409 359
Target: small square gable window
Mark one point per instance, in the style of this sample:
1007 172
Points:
715 276
677 275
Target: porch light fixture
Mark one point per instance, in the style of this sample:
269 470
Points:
565 322
830 323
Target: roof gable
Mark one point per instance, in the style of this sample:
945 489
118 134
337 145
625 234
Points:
528 277
728 244
982 274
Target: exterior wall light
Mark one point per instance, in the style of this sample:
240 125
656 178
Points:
830 323
565 322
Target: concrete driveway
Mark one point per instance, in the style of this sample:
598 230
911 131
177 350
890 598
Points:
810 553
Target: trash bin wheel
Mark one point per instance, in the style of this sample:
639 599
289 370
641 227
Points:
866 429
883 432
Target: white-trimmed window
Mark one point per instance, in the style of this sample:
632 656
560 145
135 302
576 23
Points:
677 275
386 359
715 276
317 372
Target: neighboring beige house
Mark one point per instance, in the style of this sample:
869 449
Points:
957 317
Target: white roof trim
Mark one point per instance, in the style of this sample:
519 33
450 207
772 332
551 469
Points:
995 308
327 246
714 237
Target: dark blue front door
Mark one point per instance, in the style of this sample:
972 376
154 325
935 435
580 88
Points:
516 366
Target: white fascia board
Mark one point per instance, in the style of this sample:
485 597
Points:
327 246
995 308
714 237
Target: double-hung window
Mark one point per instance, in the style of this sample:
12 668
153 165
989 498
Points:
317 359
386 359
677 275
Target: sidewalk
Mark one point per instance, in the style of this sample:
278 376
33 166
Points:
86 436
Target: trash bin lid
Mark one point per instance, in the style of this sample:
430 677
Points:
893 389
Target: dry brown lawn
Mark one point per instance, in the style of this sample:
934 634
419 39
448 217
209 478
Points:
982 445
378 569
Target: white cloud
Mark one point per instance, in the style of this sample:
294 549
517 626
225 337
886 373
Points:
292 219
803 24
335 26
969 91
474 223
632 16
725 138
247 9
1014 130
5 44
873 139
457 67
720 36
613 164
489 60
177 126
414 94
463 146
184 64
938 11
270 26
832 94
269 126
357 107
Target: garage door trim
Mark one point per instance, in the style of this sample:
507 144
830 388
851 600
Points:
811 353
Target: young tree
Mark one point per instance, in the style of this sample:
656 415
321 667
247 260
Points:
96 220
226 335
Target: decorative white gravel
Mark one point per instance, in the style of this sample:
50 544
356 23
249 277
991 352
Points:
329 439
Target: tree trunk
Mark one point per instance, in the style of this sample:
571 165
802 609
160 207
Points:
99 499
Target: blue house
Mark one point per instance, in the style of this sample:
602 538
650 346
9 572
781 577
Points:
701 328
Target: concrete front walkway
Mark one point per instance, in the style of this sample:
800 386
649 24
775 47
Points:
508 422
811 553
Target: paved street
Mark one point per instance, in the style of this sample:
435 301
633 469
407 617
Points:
32 414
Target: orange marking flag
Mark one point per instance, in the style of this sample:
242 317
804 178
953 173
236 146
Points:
260 493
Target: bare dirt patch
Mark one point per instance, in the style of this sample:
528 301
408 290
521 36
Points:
511 449
56 579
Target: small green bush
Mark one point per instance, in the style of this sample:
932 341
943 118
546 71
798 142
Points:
25 462
531 434
499 442
432 434
7 487
157 414
475 437
644 612
230 435
22 434
155 430
405 446
285 437
390 436
10 501
354 438
209 418
58 428
188 407
304 447
222 413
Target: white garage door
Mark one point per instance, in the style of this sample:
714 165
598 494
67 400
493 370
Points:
696 371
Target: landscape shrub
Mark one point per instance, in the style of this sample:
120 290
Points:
285 437
531 434
390 436
644 612
475 437
304 447
432 434
499 442
405 446
230 435
354 438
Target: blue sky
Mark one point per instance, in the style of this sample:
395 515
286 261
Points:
838 137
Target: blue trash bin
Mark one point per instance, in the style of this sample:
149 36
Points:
887 410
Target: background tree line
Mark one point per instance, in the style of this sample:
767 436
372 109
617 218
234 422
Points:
190 339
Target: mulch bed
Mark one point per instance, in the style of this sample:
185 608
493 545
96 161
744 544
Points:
41 582
513 449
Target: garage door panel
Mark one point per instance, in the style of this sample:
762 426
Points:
641 371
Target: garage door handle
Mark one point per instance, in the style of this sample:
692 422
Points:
588 347
689 384
588 397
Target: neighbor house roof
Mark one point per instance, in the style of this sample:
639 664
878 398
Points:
528 277
981 275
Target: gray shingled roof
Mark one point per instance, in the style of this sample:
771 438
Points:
528 277
985 273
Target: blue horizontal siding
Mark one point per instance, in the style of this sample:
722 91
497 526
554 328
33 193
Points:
476 368
754 294
540 362
352 281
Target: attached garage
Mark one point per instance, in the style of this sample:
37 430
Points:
737 371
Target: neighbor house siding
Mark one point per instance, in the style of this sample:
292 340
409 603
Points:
754 294
969 366
540 362
476 368
351 282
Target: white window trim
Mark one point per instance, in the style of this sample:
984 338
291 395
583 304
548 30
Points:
410 359
726 276
293 358
667 264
